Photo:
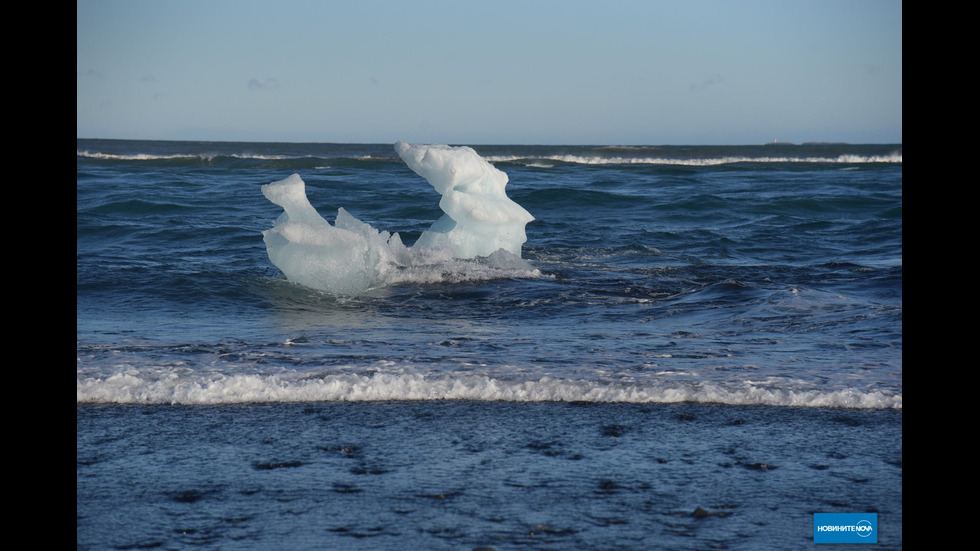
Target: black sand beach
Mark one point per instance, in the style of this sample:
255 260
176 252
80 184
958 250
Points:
461 475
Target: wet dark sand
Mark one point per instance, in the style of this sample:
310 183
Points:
465 475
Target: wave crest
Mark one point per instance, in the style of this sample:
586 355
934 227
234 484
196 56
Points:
199 389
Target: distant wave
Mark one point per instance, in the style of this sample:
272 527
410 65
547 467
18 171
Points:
159 157
283 162
170 387
705 161
175 156
532 160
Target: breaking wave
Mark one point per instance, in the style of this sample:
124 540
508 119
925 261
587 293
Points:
172 387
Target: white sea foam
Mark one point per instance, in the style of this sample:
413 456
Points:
198 388
158 157
543 161
481 225
706 161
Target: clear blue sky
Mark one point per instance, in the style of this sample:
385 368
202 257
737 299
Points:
501 71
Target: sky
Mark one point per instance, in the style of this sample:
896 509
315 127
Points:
609 72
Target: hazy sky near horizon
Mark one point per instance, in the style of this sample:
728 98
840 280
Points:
516 72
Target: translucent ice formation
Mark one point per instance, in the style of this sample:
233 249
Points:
351 257
480 219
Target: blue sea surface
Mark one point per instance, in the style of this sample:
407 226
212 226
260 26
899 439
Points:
695 330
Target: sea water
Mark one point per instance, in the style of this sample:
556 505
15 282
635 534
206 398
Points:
699 347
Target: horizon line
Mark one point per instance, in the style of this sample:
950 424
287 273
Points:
580 144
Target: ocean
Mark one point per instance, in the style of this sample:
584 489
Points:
696 347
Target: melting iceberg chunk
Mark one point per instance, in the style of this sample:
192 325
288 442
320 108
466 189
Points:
346 258
351 257
480 219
